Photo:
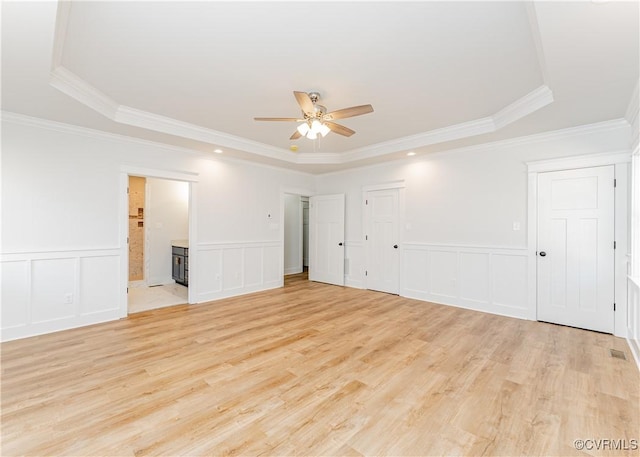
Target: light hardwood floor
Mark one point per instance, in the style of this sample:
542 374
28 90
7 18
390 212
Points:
313 369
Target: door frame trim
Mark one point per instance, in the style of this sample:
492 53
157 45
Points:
400 186
300 192
620 160
127 170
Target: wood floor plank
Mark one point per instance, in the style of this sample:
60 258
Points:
314 369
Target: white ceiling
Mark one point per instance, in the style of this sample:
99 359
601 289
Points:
438 74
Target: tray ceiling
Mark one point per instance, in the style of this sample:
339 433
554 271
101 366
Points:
195 74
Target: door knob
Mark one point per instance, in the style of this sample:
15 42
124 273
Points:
340 244
542 253
395 246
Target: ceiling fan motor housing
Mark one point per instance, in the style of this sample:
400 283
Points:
318 110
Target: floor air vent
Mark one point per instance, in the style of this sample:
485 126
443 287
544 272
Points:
617 354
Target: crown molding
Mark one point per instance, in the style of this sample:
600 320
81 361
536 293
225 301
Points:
453 132
553 135
77 88
567 133
60 33
599 127
74 86
536 36
163 124
30 121
533 101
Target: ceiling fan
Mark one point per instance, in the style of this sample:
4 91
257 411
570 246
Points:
316 121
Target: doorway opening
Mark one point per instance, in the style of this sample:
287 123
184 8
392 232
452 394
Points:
158 234
296 234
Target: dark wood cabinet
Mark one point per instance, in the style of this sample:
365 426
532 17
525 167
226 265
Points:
180 265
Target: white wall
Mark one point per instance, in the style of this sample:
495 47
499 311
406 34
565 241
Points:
63 249
292 233
167 219
63 210
633 282
458 242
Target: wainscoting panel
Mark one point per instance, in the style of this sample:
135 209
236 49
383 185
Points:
271 266
209 271
474 277
416 271
509 280
443 273
15 294
53 283
489 279
252 267
228 269
44 292
98 287
232 268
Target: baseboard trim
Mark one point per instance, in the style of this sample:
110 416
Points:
498 310
219 295
58 325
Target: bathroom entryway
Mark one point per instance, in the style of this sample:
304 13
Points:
158 226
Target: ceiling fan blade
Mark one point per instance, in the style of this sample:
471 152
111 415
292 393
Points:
348 112
340 129
305 102
284 119
295 136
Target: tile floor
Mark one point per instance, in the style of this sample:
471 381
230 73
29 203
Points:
143 298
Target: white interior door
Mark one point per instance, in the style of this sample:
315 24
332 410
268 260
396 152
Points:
382 240
575 256
326 239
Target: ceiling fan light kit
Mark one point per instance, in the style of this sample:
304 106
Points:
316 121
311 129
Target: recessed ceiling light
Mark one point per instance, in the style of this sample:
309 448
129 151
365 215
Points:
218 151
411 153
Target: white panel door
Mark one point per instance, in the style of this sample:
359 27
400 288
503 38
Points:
575 256
326 239
382 240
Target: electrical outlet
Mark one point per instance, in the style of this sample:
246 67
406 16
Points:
516 226
68 298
